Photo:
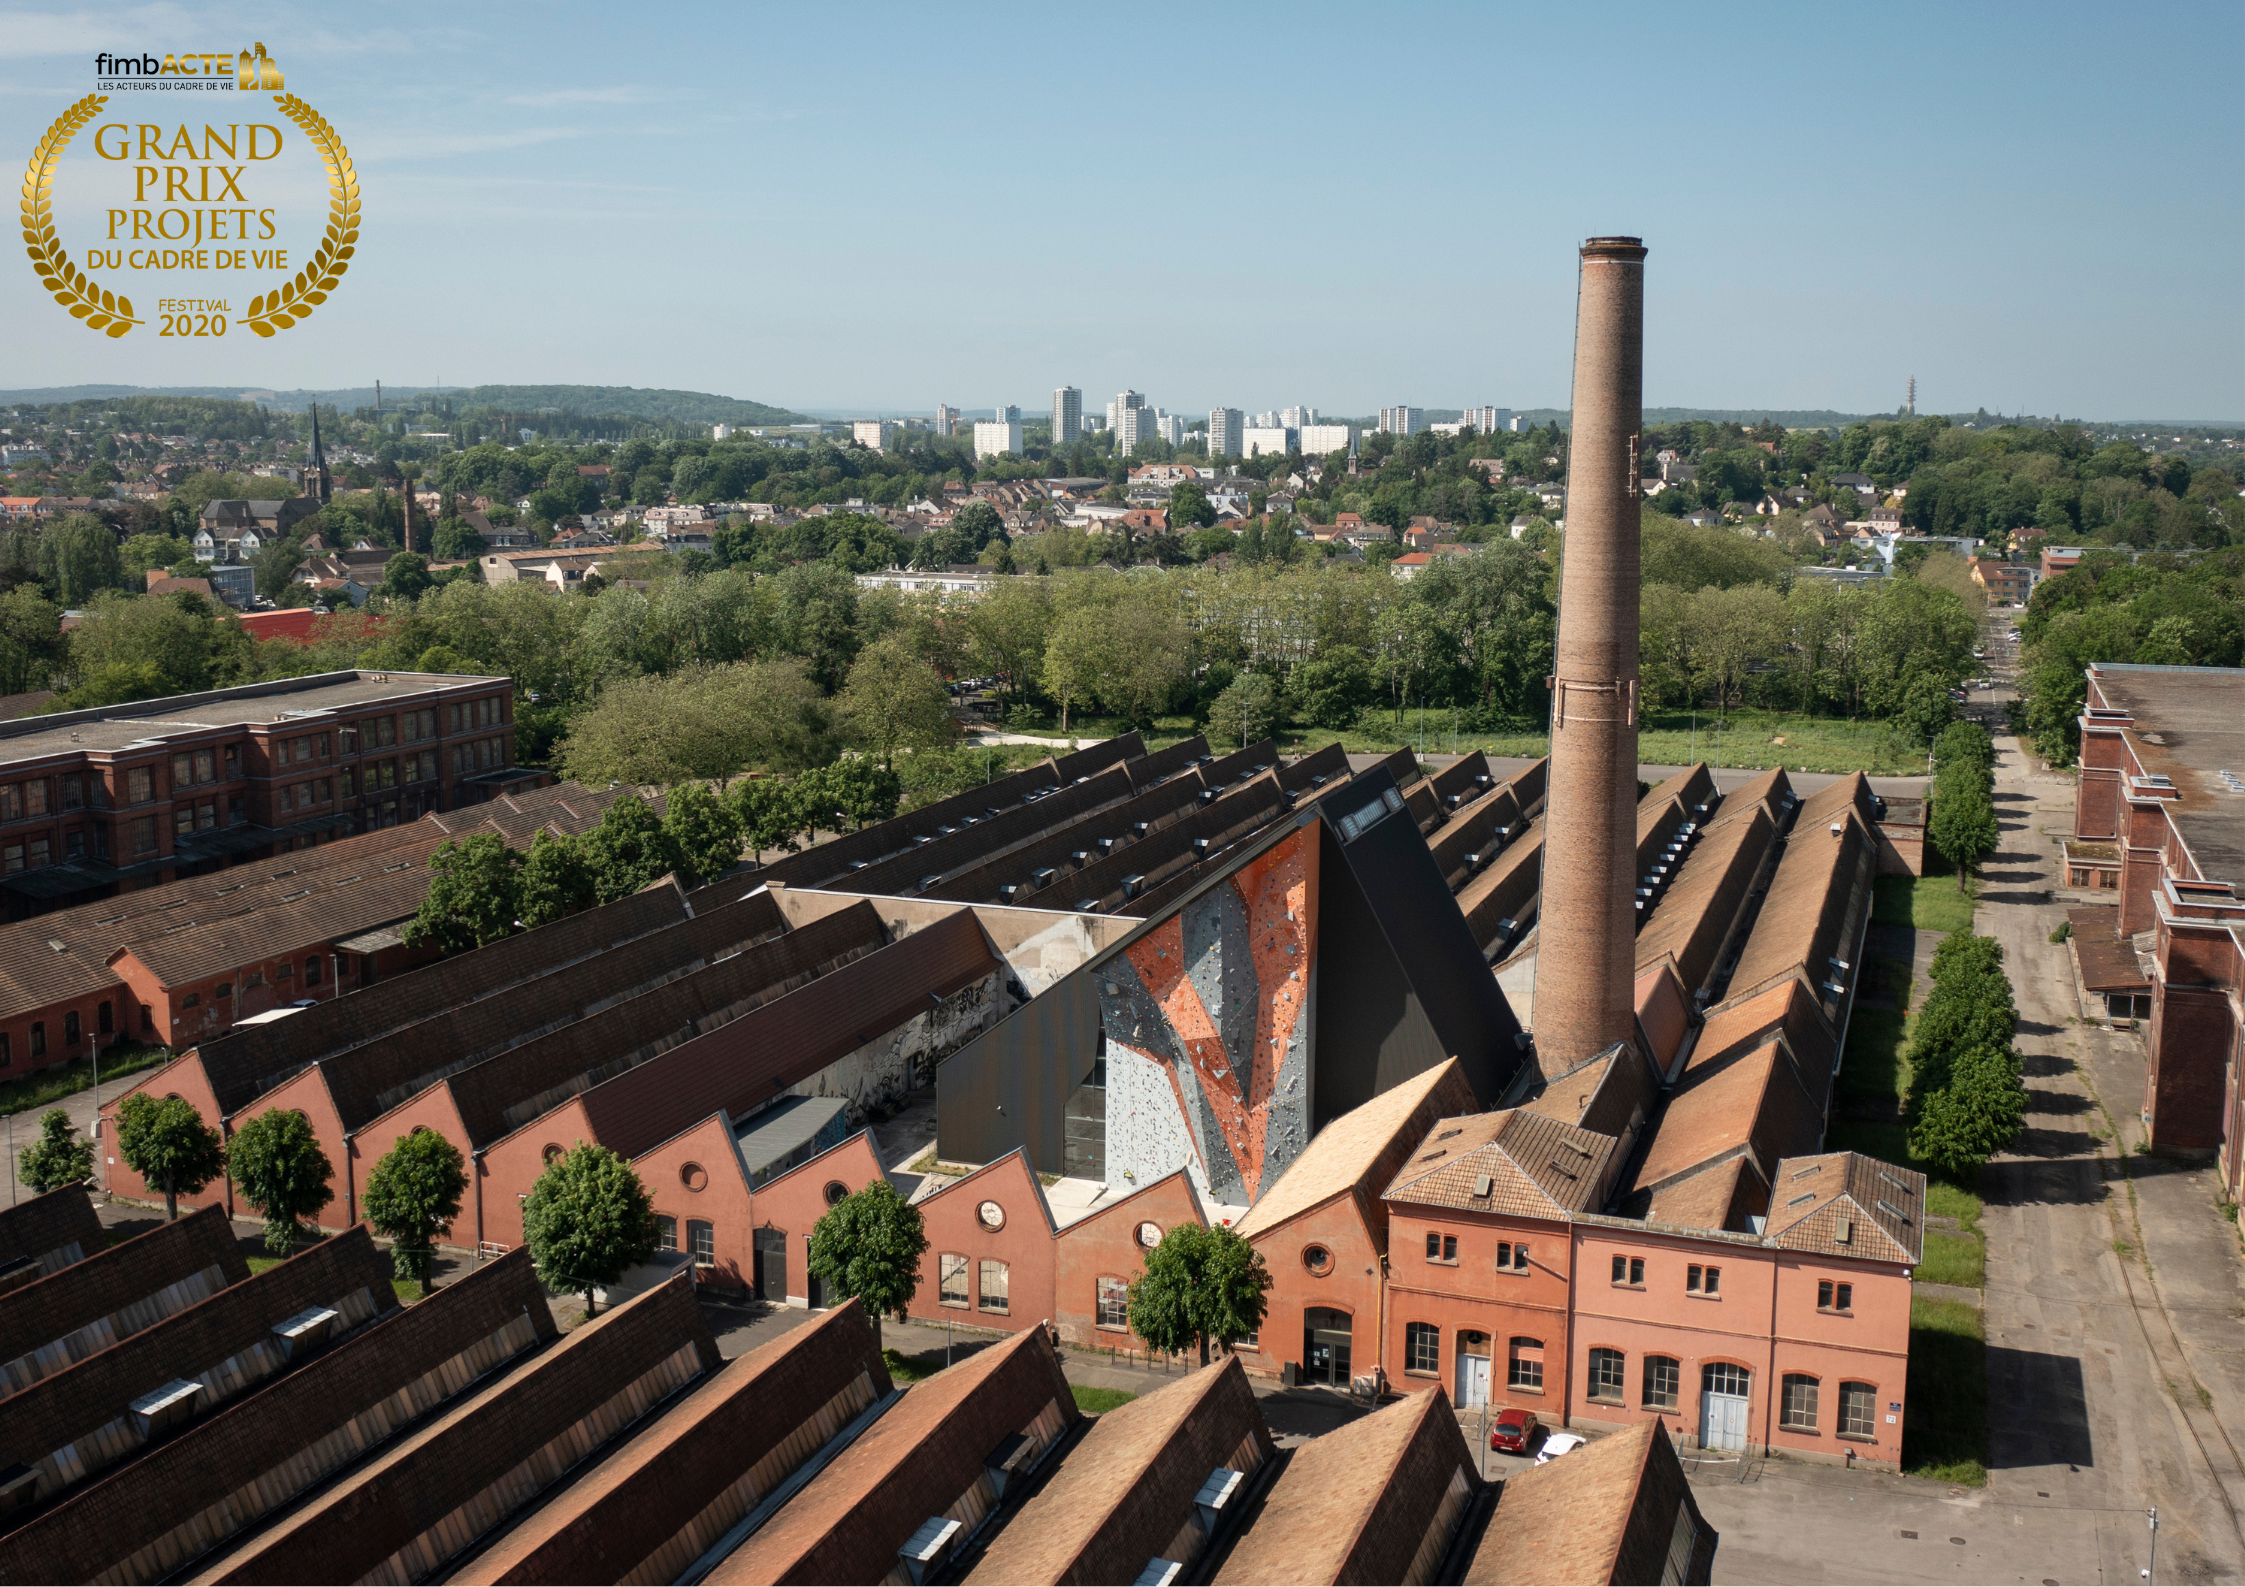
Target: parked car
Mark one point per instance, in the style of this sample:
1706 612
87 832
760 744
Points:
1514 1431
1557 1444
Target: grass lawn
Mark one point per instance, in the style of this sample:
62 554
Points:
52 1085
1875 1068
1923 903
408 1290
903 1368
1669 738
1953 1259
1945 1431
1093 1402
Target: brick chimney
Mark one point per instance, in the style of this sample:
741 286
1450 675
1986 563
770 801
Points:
1586 954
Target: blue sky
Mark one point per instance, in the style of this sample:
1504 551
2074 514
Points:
2026 207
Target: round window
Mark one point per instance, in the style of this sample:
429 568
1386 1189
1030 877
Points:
693 1176
551 1152
836 1193
1149 1235
992 1215
1317 1259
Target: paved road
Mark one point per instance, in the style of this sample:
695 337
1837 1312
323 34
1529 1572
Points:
2095 1401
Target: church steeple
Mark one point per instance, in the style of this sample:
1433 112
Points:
319 483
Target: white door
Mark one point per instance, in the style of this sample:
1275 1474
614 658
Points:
1473 1381
1724 1395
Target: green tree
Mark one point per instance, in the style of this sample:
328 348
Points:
1332 688
1974 1116
166 1142
1072 658
30 639
1199 1284
1189 507
556 880
852 792
77 556
770 814
869 1245
274 567
1963 827
587 1221
705 830
456 540
59 1157
412 1196
280 1170
405 577
1245 712
144 553
474 897
628 849
977 524
894 699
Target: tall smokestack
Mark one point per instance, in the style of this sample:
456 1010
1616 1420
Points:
1586 954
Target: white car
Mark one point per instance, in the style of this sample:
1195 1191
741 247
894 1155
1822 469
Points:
1557 1444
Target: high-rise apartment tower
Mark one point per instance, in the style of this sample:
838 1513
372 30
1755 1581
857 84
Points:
1067 415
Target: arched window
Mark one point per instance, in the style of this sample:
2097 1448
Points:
1526 1374
1859 1410
1798 1411
1608 1375
1662 1378
701 1239
666 1232
1422 1347
1721 1377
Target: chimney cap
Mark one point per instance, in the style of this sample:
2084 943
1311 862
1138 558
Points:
1625 248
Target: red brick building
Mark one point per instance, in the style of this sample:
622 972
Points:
101 800
2162 770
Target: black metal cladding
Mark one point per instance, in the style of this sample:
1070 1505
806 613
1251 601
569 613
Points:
1402 985
1009 1087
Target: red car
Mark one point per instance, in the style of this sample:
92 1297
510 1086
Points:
1514 1431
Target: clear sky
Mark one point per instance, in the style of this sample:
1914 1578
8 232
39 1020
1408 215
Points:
2034 207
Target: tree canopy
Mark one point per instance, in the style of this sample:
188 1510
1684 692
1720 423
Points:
587 1221
276 1163
869 1245
166 1142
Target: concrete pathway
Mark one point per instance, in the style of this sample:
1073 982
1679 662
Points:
2099 1408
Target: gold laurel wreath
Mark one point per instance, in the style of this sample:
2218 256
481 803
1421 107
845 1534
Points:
86 300
285 305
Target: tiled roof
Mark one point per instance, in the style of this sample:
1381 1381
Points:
198 1248
39 1224
1535 1166
511 1087
1754 1102
1816 907
649 1346
35 973
1722 1195
284 1439
1879 1207
278 919
1789 1008
650 1503
1359 1152
250 1059
1606 1513
64 1408
1693 918
1834 800
1126 1489
367 1081
2108 960
742 1065
848 1522
1355 1504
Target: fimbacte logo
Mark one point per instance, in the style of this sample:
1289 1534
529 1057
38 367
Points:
182 199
